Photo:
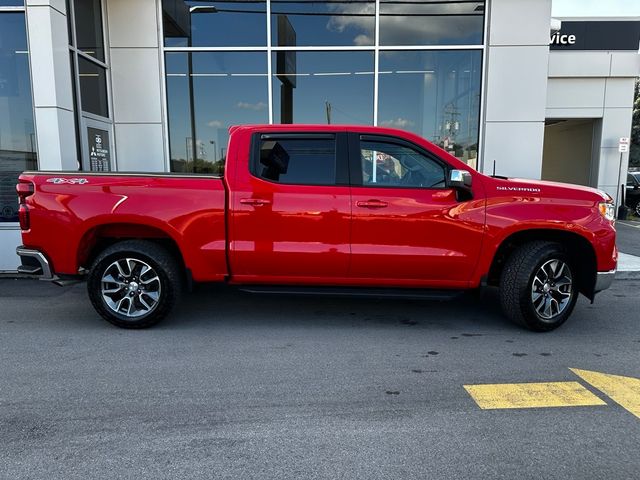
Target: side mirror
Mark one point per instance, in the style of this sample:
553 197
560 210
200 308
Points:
461 180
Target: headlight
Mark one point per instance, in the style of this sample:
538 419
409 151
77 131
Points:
608 210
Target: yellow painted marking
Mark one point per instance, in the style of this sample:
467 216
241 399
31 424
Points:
625 391
532 395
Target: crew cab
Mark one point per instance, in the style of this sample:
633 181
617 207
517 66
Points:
322 209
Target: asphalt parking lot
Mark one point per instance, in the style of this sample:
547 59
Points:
257 387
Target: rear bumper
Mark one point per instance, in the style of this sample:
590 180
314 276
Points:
604 280
34 262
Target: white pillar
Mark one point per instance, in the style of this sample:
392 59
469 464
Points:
51 80
516 87
137 84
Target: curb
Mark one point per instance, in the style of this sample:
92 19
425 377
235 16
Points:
627 275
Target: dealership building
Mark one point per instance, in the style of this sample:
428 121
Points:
153 85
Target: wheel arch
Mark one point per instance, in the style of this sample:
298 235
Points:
578 247
99 237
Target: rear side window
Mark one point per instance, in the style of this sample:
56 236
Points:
300 160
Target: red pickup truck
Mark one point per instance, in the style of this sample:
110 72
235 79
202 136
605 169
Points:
320 209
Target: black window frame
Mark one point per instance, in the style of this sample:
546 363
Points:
341 149
355 165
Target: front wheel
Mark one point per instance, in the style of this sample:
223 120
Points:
134 283
538 287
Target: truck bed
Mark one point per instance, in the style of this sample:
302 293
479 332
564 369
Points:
76 210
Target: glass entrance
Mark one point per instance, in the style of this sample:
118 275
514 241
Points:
90 68
17 134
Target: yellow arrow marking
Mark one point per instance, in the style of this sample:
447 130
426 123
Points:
532 395
625 391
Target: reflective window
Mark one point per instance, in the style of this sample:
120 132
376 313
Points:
17 135
11 3
435 94
323 87
302 161
88 22
388 164
93 87
214 24
208 92
332 22
431 22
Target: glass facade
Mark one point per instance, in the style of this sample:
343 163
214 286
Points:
319 62
17 134
435 94
207 92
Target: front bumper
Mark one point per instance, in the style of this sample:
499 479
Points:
604 280
34 262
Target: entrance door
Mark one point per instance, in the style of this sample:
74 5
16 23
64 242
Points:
408 227
291 209
568 152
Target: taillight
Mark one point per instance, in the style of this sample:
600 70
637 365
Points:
25 189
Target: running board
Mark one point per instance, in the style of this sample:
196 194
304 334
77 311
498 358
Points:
406 293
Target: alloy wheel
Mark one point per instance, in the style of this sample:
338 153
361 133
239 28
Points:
131 287
551 289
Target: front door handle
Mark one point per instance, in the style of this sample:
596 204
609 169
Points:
371 204
255 202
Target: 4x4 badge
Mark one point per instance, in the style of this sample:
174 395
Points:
71 181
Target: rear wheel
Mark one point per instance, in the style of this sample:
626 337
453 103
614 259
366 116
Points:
538 288
134 283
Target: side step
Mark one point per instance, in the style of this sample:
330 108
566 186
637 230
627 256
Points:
399 293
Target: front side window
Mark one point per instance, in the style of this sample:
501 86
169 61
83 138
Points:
301 161
392 165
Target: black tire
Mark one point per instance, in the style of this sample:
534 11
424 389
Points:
518 299
156 290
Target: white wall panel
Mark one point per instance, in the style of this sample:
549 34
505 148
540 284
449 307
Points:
516 83
10 239
56 139
136 85
579 64
625 64
516 147
140 147
608 170
521 22
616 123
49 51
132 24
589 112
59 5
575 93
619 92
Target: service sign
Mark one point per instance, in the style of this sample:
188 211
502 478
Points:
596 35
623 144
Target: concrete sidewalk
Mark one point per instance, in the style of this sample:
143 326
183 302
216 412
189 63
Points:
628 267
628 233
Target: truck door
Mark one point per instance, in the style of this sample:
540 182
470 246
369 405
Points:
291 209
408 227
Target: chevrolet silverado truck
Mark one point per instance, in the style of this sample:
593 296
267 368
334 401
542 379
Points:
319 209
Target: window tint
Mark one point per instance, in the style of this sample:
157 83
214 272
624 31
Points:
308 161
388 164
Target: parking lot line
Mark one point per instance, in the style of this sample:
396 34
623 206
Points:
625 391
532 395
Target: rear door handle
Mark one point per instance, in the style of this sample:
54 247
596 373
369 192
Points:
371 204
255 202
